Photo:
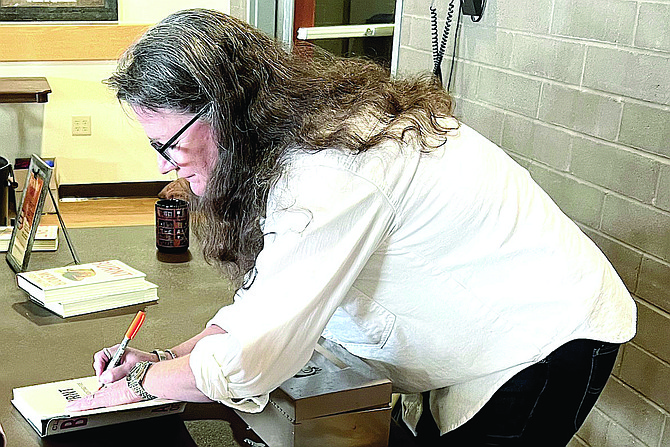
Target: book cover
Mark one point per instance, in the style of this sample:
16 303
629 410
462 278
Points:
43 406
28 218
96 278
46 238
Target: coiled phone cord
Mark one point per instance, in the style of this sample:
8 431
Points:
440 47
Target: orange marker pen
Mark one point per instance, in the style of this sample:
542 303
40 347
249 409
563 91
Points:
130 334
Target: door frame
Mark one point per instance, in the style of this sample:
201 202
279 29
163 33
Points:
263 15
277 18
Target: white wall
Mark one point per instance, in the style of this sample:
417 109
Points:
117 150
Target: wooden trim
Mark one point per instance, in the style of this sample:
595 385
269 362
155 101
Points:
122 189
22 43
303 15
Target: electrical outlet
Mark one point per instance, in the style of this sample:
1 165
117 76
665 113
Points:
81 125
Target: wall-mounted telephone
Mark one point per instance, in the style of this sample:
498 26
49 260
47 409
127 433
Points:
472 8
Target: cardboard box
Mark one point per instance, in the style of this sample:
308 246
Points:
20 176
336 400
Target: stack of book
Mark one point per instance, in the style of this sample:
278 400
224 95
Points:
43 406
84 288
46 238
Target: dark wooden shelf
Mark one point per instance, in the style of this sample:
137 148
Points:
24 90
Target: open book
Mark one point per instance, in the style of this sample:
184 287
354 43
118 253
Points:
43 406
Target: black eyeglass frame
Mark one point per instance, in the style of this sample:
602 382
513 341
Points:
163 148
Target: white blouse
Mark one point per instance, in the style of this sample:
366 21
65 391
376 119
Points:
449 271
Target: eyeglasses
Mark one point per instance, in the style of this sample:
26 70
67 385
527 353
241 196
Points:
164 148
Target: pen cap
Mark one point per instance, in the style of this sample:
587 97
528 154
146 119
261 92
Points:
135 325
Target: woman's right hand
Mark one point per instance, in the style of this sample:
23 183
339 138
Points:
130 357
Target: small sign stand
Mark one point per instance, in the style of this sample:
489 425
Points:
29 215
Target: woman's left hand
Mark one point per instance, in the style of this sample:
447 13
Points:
115 393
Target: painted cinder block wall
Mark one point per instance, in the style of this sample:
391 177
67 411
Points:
578 92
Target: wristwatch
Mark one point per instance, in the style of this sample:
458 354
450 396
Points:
135 378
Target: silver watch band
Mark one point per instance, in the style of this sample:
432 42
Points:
135 378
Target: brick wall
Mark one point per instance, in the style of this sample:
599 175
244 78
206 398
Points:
578 91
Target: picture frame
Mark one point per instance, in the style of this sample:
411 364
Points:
58 10
29 214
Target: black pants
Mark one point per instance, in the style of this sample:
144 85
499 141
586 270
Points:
543 405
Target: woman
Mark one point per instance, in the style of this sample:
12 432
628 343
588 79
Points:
355 206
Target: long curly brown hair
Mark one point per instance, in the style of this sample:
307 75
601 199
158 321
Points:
263 101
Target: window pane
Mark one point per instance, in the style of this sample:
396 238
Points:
356 12
353 12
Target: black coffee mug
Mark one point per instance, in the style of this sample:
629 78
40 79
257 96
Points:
172 225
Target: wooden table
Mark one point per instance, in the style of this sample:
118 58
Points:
37 346
24 90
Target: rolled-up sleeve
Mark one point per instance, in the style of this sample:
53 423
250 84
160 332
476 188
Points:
313 251
210 362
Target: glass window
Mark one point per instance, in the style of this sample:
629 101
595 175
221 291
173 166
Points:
356 12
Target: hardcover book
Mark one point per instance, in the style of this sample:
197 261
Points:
46 238
43 406
85 288
71 308
75 282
